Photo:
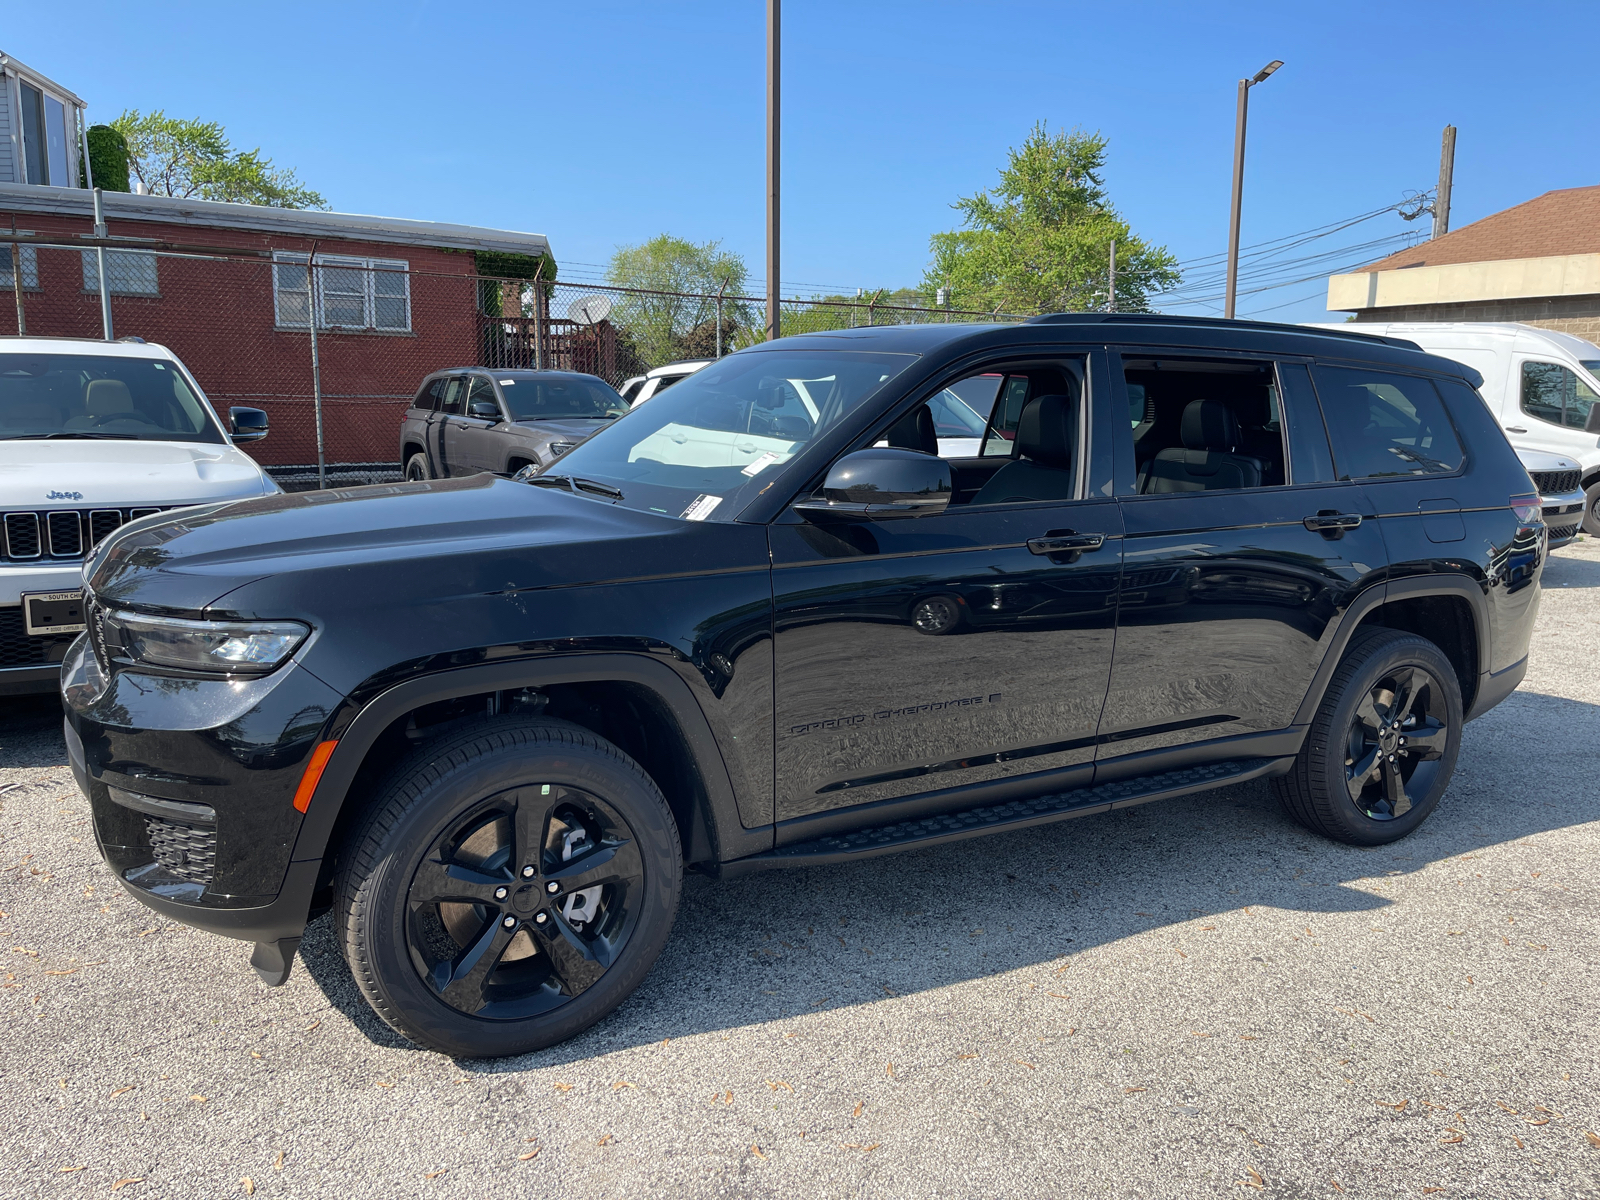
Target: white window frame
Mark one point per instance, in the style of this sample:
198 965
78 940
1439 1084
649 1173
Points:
369 296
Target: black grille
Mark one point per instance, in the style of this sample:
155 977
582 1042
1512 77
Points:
63 533
22 535
1555 483
187 851
1561 533
17 649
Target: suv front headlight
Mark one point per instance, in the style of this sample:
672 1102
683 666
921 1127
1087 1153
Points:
211 647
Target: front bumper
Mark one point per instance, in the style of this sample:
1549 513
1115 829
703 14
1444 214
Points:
1563 516
191 788
31 665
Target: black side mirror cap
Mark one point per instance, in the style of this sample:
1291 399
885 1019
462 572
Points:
484 410
247 424
881 482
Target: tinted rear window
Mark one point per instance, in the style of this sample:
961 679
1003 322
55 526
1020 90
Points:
1385 425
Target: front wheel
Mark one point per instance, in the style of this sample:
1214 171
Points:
1382 747
511 886
1591 511
937 615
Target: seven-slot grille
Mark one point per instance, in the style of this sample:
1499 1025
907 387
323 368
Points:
62 533
1555 483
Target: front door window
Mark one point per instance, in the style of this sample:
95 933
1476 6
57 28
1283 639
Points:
1554 394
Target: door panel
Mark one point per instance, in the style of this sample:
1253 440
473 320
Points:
871 706
450 406
473 444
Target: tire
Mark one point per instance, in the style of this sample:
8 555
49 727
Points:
493 815
1591 510
417 468
938 615
1383 674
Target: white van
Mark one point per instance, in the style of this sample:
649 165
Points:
1543 386
94 435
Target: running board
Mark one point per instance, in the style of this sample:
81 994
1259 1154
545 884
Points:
1002 818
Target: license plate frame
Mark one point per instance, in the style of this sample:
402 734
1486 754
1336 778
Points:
48 614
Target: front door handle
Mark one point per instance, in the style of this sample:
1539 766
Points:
1515 429
1332 524
1066 543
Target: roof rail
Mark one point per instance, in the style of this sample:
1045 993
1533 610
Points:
1170 319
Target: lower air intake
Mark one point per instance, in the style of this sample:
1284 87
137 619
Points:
186 851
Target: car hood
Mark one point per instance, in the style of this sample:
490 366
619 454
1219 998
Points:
563 429
72 473
1539 460
425 542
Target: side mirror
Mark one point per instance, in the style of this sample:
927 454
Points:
484 410
881 482
1592 425
247 424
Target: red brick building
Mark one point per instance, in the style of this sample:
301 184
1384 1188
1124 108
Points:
225 287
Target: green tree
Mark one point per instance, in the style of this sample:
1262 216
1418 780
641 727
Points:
1040 240
172 156
669 325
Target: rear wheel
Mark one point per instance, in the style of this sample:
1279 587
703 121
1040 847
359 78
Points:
1382 747
417 468
512 885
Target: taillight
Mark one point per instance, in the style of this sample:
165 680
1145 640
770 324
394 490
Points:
1527 509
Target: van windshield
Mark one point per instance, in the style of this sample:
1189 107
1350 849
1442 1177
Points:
99 396
705 448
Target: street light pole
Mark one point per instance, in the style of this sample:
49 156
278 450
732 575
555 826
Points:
1238 182
773 322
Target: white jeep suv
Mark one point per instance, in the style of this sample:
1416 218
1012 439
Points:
94 435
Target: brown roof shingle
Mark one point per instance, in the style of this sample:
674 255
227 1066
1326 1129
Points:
1560 222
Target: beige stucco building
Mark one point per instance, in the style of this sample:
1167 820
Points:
1537 263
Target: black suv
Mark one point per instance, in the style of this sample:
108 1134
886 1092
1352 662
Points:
757 622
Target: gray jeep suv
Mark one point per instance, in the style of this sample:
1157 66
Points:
466 420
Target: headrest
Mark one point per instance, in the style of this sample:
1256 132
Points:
915 431
1047 430
1210 425
107 398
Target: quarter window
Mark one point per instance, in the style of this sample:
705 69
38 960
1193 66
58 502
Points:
1553 393
352 293
1385 425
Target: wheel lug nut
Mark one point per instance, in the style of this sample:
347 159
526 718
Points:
527 872
552 887
501 893
509 922
540 919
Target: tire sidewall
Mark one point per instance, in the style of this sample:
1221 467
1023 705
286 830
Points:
1591 510
423 473
1383 659
431 811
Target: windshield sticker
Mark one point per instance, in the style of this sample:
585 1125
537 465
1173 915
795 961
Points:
760 464
701 508
508 383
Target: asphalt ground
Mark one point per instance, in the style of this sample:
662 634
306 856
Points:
1189 999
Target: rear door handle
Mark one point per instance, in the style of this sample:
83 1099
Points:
1515 429
1066 543
1332 523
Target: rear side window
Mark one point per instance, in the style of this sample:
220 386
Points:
428 398
1384 425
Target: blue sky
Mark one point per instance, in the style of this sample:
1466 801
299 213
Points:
600 123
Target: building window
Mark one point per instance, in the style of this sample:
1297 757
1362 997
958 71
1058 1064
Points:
45 136
30 268
352 293
128 272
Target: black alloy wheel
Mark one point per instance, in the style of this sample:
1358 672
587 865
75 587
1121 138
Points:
523 904
511 884
417 468
1591 510
937 615
1383 744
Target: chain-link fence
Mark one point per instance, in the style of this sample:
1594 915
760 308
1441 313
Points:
337 389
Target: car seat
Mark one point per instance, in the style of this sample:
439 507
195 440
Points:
105 400
1208 460
1042 464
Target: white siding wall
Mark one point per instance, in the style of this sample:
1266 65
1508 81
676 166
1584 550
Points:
8 130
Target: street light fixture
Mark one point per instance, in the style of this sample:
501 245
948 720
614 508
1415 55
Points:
1238 181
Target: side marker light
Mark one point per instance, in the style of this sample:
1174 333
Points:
314 769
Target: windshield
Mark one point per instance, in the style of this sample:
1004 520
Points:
560 397
705 450
95 396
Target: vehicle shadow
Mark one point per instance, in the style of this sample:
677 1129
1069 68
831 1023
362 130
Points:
1561 570
30 732
763 947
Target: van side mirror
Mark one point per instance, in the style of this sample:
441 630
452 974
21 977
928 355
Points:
878 483
1592 425
247 424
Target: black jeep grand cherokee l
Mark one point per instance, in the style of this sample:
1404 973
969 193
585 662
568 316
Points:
757 622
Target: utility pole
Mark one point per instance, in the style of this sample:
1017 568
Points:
1238 182
1447 170
100 267
1111 285
773 124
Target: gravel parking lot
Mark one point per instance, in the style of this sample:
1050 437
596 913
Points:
1189 999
